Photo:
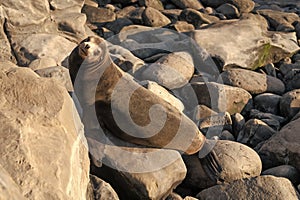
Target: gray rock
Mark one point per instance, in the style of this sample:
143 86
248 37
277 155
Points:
255 46
196 18
238 122
226 135
152 3
267 117
254 132
102 190
8 188
50 158
267 102
283 147
171 71
221 98
261 187
292 79
98 15
253 82
238 161
286 68
280 21
117 25
229 10
286 171
270 70
154 18
58 73
182 4
290 103
141 173
41 63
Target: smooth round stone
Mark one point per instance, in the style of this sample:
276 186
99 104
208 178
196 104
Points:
286 171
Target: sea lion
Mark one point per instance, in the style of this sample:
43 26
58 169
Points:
124 107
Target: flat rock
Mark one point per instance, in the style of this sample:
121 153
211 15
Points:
283 147
171 71
8 188
141 173
182 4
42 63
237 160
44 152
253 82
254 132
261 187
222 98
290 103
255 46
154 18
267 102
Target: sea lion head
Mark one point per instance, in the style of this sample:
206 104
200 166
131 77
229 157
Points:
92 49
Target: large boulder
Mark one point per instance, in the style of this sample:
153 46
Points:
254 47
262 187
42 143
283 147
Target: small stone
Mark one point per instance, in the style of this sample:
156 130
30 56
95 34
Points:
196 18
226 135
154 18
238 123
156 4
183 26
183 4
270 70
229 10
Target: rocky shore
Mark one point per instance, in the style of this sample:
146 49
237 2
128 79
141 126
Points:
225 69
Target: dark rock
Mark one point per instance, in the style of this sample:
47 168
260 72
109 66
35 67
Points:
261 115
253 82
154 18
172 14
261 187
118 24
267 102
286 171
226 135
132 13
254 132
229 10
196 18
290 104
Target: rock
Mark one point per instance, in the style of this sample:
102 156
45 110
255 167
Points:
41 63
163 93
93 3
270 70
253 82
172 14
183 4
117 25
261 187
124 2
202 112
44 150
102 190
141 173
268 118
152 3
229 10
244 6
286 171
213 3
98 15
292 79
290 103
196 18
286 68
35 46
215 124
280 21
282 148
183 26
254 132
125 59
154 18
171 71
221 98
226 135
267 102
255 46
132 13
174 196
8 188
238 161
238 122
58 73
